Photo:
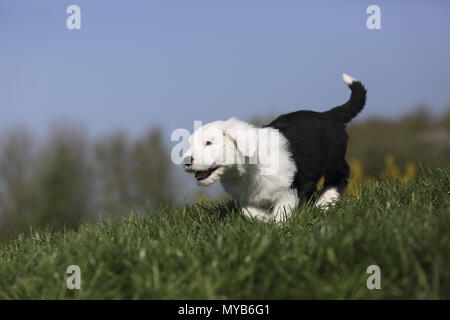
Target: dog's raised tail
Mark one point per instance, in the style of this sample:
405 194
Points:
354 105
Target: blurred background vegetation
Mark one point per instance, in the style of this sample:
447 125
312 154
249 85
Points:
67 178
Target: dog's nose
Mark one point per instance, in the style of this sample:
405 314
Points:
187 161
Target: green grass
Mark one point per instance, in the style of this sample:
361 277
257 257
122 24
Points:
212 252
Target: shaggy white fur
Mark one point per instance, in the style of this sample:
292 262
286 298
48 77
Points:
253 165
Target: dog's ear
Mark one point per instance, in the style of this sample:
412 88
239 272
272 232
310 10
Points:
242 135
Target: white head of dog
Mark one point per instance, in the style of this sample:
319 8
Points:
218 147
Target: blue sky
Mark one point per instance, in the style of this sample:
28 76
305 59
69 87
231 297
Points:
137 64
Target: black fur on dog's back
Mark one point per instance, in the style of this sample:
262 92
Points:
318 143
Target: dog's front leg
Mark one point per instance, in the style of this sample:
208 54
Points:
284 205
257 213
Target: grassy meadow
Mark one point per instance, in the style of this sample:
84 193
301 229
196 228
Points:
210 251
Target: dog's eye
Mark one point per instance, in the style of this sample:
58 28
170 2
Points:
208 143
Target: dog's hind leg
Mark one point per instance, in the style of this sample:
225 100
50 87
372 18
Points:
329 196
334 186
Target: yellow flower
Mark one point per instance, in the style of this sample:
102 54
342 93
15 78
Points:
391 170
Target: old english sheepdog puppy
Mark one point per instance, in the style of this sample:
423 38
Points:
273 169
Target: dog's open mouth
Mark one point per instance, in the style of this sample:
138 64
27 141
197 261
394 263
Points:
202 175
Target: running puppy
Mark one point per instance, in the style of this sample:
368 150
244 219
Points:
273 169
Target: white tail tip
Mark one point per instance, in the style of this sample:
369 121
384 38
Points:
347 79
